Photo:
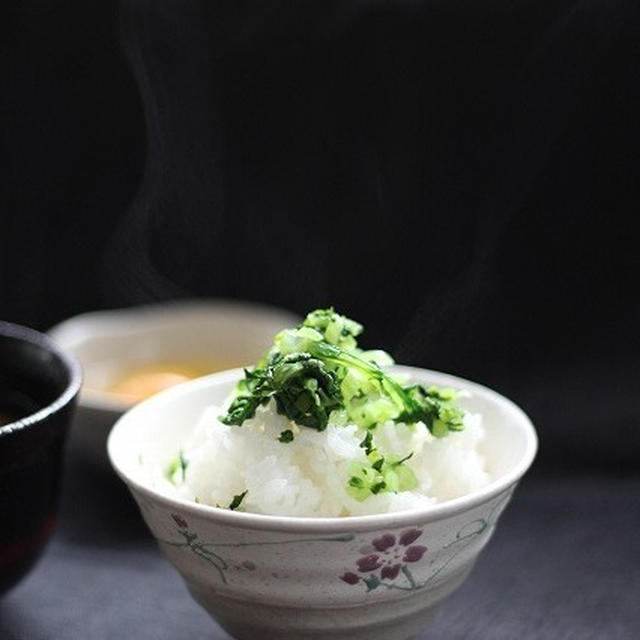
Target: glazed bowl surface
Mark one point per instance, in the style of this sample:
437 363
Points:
374 577
38 388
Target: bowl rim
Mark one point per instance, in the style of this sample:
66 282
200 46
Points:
21 333
315 524
115 320
103 323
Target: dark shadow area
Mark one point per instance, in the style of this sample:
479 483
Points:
97 508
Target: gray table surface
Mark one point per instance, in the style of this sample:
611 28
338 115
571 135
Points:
564 563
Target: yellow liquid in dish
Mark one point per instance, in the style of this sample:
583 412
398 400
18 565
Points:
142 382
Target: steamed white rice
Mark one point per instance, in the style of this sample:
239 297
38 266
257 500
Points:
309 476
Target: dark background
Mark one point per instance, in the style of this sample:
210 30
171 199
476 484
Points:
462 177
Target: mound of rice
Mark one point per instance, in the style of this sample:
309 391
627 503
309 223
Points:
309 476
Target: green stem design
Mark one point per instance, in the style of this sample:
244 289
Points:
470 530
201 551
397 587
347 537
205 550
461 541
409 576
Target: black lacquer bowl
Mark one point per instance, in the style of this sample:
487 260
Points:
38 389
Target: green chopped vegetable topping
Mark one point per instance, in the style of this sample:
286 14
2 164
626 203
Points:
304 388
379 473
366 444
286 436
316 373
237 501
177 469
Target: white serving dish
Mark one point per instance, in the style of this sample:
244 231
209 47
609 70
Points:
107 343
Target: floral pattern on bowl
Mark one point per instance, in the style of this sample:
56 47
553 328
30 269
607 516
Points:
399 561
385 559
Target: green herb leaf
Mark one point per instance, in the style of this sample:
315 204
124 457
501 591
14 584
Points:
304 390
286 436
378 487
177 469
237 501
398 462
242 408
367 443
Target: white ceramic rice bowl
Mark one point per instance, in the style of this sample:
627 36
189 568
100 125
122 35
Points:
375 577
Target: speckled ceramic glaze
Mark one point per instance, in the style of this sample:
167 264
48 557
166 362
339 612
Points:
374 577
41 380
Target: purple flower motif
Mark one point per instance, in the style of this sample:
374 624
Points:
409 536
181 522
369 563
413 554
391 558
384 542
350 578
390 572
